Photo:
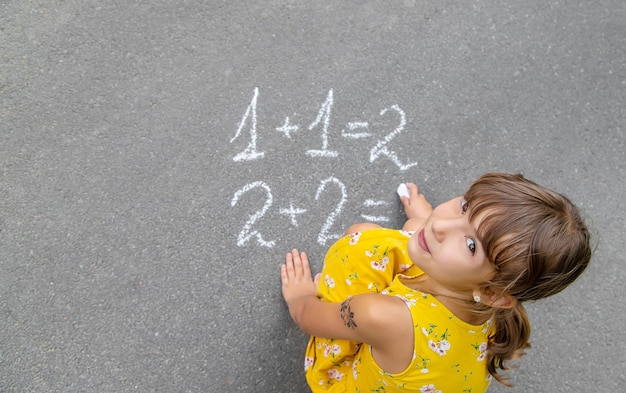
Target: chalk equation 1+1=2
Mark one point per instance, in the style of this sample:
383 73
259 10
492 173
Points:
352 130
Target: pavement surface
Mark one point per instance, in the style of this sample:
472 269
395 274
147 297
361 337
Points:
158 158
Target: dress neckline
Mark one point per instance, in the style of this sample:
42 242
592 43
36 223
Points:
449 314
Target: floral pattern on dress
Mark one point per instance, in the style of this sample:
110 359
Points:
352 276
381 387
355 364
331 350
438 343
380 260
482 349
380 265
429 389
335 374
404 266
423 362
308 362
330 283
408 299
354 238
486 326
440 348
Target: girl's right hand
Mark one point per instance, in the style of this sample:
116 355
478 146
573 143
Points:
295 276
416 206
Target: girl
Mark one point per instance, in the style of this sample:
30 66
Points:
436 306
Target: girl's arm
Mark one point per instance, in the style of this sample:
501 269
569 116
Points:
384 322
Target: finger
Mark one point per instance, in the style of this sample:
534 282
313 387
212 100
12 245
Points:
317 279
283 274
301 265
414 191
289 265
297 263
306 267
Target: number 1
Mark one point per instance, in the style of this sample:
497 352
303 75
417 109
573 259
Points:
250 152
324 114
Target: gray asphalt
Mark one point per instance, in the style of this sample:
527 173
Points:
158 158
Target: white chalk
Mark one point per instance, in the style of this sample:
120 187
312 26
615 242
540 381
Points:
403 191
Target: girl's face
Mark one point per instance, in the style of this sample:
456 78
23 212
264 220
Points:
448 249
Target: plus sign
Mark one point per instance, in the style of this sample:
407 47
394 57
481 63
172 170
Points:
292 212
287 128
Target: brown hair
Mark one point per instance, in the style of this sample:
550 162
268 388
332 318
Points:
538 244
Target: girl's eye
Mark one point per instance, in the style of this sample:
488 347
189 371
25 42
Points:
464 205
471 245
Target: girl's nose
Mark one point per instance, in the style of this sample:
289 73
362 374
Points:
442 227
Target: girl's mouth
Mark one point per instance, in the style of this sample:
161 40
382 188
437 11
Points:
421 240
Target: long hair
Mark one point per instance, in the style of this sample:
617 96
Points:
538 244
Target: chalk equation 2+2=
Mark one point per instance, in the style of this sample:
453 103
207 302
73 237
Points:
353 130
248 231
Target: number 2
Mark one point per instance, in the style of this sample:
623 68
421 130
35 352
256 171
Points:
381 146
330 220
247 232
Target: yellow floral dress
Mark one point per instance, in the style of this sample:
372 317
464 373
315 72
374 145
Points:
449 354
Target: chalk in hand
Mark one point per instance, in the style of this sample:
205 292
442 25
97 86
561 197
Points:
403 191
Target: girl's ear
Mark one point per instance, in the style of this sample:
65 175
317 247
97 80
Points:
506 301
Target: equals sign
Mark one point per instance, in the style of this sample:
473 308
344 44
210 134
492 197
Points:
356 125
373 203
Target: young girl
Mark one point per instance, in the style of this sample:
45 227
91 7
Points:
436 306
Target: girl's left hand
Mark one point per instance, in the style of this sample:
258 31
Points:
295 275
